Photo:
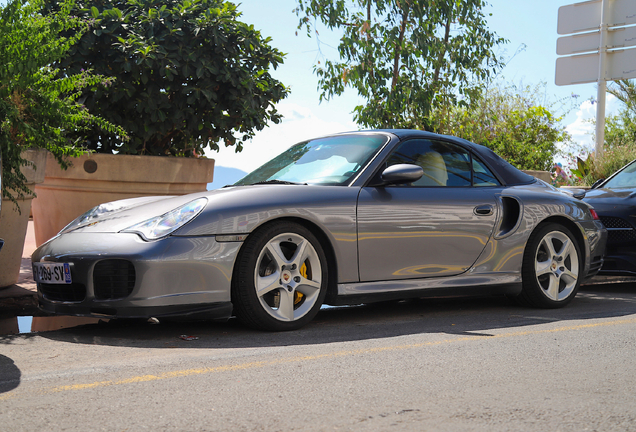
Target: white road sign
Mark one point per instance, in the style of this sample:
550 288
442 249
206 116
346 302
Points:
623 37
582 69
585 16
608 62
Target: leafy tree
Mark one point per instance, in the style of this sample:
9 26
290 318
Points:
37 108
619 147
188 74
625 91
512 121
620 129
405 57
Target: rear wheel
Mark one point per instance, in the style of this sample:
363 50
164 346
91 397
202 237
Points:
280 280
552 267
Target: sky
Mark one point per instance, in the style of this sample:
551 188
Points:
529 26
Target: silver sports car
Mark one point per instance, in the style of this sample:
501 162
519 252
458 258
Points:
344 219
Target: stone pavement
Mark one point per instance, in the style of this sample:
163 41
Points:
21 299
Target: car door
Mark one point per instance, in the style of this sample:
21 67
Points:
436 226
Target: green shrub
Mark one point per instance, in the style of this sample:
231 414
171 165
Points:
619 147
514 122
608 163
620 130
38 108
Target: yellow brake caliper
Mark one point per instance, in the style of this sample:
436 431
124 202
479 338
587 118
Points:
298 297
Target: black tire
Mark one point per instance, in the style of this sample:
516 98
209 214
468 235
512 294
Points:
552 267
292 288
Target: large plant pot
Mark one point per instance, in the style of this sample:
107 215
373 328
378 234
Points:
14 223
98 178
541 175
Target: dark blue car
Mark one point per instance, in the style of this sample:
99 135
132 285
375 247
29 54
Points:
614 199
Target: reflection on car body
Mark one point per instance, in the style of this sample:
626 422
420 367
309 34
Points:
343 219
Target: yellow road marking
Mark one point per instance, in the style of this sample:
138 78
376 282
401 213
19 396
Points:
261 364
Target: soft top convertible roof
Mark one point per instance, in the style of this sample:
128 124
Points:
510 175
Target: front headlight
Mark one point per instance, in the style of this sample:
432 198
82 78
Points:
161 226
90 216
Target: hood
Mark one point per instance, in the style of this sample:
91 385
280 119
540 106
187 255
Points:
603 199
618 193
118 215
222 203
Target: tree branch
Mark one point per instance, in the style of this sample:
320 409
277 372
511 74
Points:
398 48
442 53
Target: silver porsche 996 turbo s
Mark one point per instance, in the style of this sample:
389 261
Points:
344 219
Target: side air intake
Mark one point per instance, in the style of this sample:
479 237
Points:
511 216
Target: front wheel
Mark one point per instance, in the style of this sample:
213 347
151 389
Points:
280 279
552 267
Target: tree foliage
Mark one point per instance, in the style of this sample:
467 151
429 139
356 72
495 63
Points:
514 122
620 129
188 74
38 109
625 91
404 57
619 147
608 163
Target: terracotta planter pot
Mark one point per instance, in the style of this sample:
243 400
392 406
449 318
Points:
541 175
98 178
13 224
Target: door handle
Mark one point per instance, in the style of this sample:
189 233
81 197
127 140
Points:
484 210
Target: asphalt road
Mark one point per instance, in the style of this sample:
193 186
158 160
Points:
427 365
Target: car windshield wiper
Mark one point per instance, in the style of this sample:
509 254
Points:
279 182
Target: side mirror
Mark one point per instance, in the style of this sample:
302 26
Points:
576 193
401 173
597 183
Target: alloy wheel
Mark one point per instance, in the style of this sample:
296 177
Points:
557 265
288 277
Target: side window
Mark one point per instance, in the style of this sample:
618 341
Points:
444 164
482 175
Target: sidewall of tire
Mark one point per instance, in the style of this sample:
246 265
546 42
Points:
247 306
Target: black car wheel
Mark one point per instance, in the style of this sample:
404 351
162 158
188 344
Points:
552 267
280 279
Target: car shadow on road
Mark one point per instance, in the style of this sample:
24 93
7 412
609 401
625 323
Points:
456 316
10 375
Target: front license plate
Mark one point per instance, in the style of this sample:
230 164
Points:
52 273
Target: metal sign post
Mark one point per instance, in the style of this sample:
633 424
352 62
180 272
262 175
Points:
602 83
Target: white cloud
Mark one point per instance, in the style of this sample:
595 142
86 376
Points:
583 128
299 124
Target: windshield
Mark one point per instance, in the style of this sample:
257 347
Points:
329 161
625 178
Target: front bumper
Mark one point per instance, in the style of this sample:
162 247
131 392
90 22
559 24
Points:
620 261
175 276
620 254
214 311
